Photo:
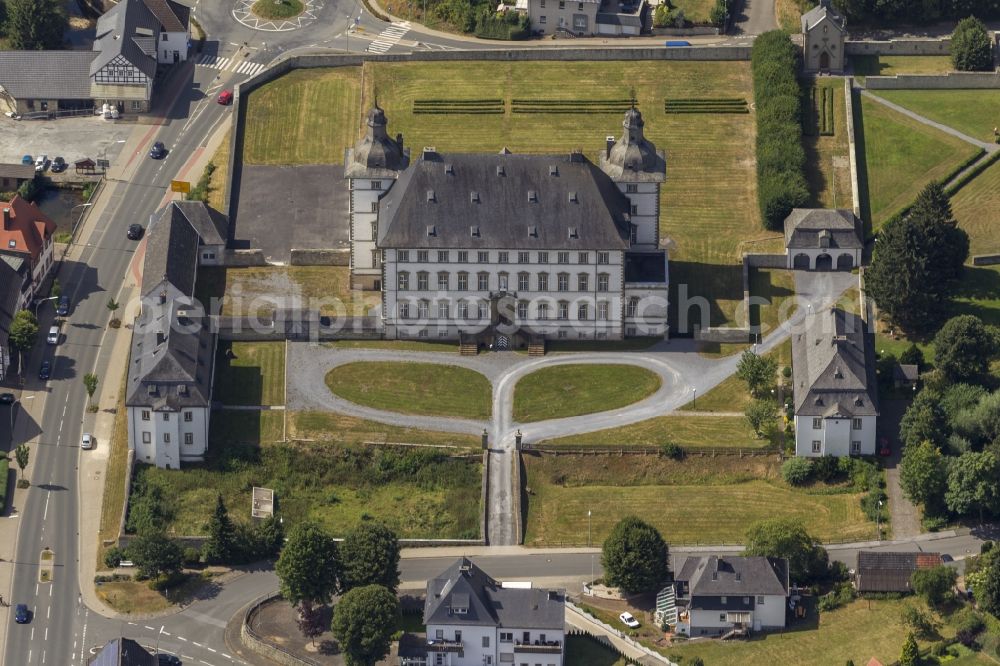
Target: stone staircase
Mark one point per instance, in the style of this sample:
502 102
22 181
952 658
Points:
468 345
536 346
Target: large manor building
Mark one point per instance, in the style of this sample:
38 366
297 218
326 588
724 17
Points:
507 247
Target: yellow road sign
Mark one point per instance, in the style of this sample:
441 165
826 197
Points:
182 186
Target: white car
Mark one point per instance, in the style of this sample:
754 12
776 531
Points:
628 620
87 441
41 162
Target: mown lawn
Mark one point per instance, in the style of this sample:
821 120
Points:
332 427
731 394
260 291
414 388
256 427
901 156
683 429
828 166
250 373
977 209
220 176
775 287
582 650
572 390
882 65
702 499
696 11
308 116
972 112
115 476
418 492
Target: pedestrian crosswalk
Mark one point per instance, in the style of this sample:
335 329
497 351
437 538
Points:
235 63
389 37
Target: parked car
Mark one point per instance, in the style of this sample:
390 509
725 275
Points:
58 165
629 620
41 163
225 98
134 231
6 398
884 449
53 337
87 441
21 614
168 660
158 151
27 160
45 370
62 309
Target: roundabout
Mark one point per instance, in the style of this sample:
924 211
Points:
276 15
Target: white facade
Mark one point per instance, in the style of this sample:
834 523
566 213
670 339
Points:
366 264
464 645
168 438
172 47
768 612
823 258
550 16
817 436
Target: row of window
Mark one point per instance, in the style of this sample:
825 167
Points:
502 256
505 636
403 282
817 447
188 416
470 311
147 438
818 423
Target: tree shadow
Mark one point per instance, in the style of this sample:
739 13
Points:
703 295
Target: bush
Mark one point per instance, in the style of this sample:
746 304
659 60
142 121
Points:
192 556
871 508
113 557
786 372
507 26
971 47
969 621
933 523
797 471
30 189
825 468
671 450
842 593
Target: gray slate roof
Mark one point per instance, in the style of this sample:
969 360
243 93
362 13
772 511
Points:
734 576
818 13
173 16
210 225
833 366
46 74
376 155
20 171
619 18
633 158
172 249
464 585
11 282
440 201
811 228
118 34
890 572
123 652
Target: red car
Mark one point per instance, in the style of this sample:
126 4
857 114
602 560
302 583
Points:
225 98
884 449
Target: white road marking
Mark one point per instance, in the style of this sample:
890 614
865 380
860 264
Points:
46 628
389 37
32 637
46 511
150 628
198 644
48 615
43 656
29 655
181 638
210 649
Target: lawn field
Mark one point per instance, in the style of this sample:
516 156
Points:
113 502
418 492
259 291
697 431
828 166
414 388
250 373
331 427
972 112
308 116
882 65
696 11
977 209
789 13
683 499
775 287
901 156
582 650
262 427
572 390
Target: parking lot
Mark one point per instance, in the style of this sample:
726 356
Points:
72 138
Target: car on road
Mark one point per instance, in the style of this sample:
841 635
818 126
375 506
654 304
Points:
53 337
21 614
41 163
58 165
87 441
225 98
45 370
884 449
168 660
6 398
134 231
158 151
946 558
629 620
62 309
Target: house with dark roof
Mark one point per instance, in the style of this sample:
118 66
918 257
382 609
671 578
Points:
132 38
12 176
169 386
502 247
27 233
823 239
834 384
123 652
14 282
879 571
473 619
716 596
824 31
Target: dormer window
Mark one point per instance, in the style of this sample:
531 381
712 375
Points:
431 230
532 231
430 196
474 230
532 196
553 170
572 197
449 169
474 196
838 374
12 243
500 170
573 233
819 402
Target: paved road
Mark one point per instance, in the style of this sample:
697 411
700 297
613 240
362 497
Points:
755 17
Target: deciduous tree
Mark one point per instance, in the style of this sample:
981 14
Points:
761 416
310 621
23 333
964 347
21 456
90 383
369 554
788 538
925 421
971 47
155 554
757 371
363 623
34 25
934 584
923 475
974 483
634 556
307 567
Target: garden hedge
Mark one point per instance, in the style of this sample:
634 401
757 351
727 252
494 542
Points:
781 182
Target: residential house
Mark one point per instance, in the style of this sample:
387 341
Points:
12 176
175 30
13 281
123 652
473 619
27 233
731 595
833 379
587 17
823 239
505 246
169 389
824 31
879 571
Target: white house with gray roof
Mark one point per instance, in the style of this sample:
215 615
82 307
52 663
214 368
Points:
833 378
505 246
169 389
716 596
823 239
473 619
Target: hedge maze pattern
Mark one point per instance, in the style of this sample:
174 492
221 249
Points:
451 106
706 105
819 113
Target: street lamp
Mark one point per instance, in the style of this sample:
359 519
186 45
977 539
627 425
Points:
588 527
878 520
694 398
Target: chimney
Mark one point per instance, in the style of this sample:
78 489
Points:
6 219
399 141
163 297
610 140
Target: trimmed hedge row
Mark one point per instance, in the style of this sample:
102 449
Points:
570 102
453 106
455 102
707 105
969 177
781 183
570 105
826 113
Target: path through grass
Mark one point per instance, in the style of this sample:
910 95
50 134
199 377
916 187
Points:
972 112
571 390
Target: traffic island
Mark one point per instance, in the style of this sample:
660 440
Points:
46 565
277 9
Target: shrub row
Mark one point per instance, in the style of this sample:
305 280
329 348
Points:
455 102
506 26
967 178
709 109
452 106
707 105
826 113
570 102
781 183
445 111
702 100
566 110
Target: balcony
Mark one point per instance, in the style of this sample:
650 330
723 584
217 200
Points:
538 647
444 645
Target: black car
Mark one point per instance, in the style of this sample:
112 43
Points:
158 151
135 231
6 398
58 165
45 370
21 614
63 308
168 660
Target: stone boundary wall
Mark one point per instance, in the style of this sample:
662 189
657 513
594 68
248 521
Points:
721 334
901 47
129 464
765 260
852 146
517 499
257 644
330 257
949 81
986 260
484 500
243 258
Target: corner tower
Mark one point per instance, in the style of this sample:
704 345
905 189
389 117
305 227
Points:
371 167
637 168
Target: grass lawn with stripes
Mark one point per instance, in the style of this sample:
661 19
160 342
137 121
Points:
250 373
972 112
977 209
